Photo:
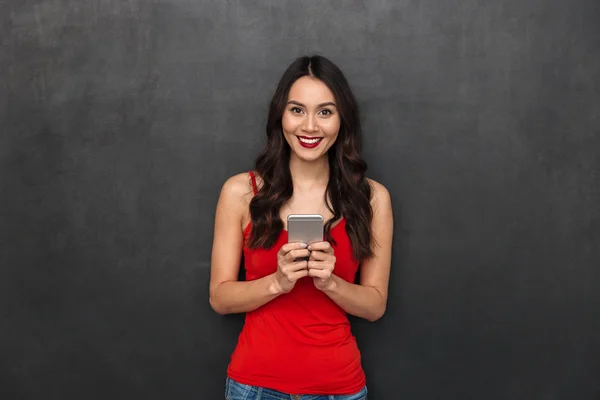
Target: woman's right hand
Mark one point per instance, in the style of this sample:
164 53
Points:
288 270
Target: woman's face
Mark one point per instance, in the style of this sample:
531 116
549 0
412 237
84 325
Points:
310 121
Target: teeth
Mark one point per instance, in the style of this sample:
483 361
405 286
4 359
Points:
309 141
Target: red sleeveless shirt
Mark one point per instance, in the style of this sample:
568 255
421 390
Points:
299 342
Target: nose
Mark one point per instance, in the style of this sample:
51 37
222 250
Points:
310 123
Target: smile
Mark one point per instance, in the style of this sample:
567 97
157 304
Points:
309 142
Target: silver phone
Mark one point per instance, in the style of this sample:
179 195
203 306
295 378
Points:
307 228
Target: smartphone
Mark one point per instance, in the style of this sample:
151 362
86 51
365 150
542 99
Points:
307 228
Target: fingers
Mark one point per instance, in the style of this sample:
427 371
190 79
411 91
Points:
321 256
297 266
294 276
286 248
320 265
321 246
295 271
321 251
294 254
289 269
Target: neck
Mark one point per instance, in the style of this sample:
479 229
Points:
305 174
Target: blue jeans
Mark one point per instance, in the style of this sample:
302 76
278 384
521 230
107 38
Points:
238 391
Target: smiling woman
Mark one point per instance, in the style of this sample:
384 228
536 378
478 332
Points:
309 123
297 339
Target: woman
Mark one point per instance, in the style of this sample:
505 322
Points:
296 341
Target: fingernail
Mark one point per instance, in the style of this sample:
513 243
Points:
304 245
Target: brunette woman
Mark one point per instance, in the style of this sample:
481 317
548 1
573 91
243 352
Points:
296 342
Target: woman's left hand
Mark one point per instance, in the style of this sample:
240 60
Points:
321 264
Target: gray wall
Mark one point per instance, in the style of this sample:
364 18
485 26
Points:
120 120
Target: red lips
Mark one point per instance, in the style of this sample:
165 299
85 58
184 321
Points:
312 142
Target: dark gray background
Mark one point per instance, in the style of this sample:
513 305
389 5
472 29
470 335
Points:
120 120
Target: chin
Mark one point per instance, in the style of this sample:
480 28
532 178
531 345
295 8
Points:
310 159
308 155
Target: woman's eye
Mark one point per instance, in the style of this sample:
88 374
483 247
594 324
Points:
326 112
296 110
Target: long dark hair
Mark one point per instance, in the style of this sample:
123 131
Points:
348 192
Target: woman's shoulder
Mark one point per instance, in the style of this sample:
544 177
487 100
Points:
238 188
380 196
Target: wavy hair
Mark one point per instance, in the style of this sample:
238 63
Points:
348 192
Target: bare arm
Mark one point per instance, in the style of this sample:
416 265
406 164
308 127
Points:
368 299
227 294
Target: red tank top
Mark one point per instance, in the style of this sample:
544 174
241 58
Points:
300 342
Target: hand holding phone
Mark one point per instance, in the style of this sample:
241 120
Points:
289 268
320 263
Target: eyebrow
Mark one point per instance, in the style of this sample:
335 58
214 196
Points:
329 103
